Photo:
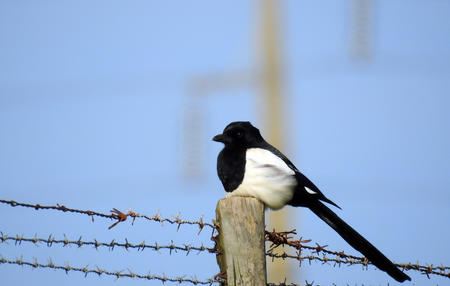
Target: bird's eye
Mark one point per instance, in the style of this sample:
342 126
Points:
239 134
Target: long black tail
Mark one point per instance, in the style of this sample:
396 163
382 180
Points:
357 241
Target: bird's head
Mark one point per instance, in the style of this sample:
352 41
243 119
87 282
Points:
239 134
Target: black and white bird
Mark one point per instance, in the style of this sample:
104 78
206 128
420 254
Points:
249 166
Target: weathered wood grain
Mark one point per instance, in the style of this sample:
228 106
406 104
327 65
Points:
241 241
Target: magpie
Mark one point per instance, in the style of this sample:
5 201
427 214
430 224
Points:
249 166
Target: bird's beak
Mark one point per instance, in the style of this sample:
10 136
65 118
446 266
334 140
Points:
219 138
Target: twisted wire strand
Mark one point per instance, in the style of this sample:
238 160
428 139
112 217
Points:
99 271
18 239
116 215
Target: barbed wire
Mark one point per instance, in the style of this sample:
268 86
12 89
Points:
99 271
341 258
427 270
130 274
278 239
18 239
115 214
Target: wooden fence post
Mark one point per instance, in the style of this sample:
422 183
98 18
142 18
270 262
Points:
241 241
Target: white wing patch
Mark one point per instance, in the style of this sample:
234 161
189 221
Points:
266 178
310 191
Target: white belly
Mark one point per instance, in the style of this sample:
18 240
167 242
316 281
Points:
266 178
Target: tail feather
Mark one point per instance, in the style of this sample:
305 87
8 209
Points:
357 241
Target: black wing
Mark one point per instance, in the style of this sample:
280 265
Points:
301 195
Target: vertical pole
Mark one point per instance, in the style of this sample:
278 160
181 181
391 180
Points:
273 114
271 73
361 29
241 241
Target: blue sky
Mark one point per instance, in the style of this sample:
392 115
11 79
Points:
94 99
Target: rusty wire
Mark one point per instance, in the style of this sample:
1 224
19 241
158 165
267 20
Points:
99 271
285 239
18 239
115 214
